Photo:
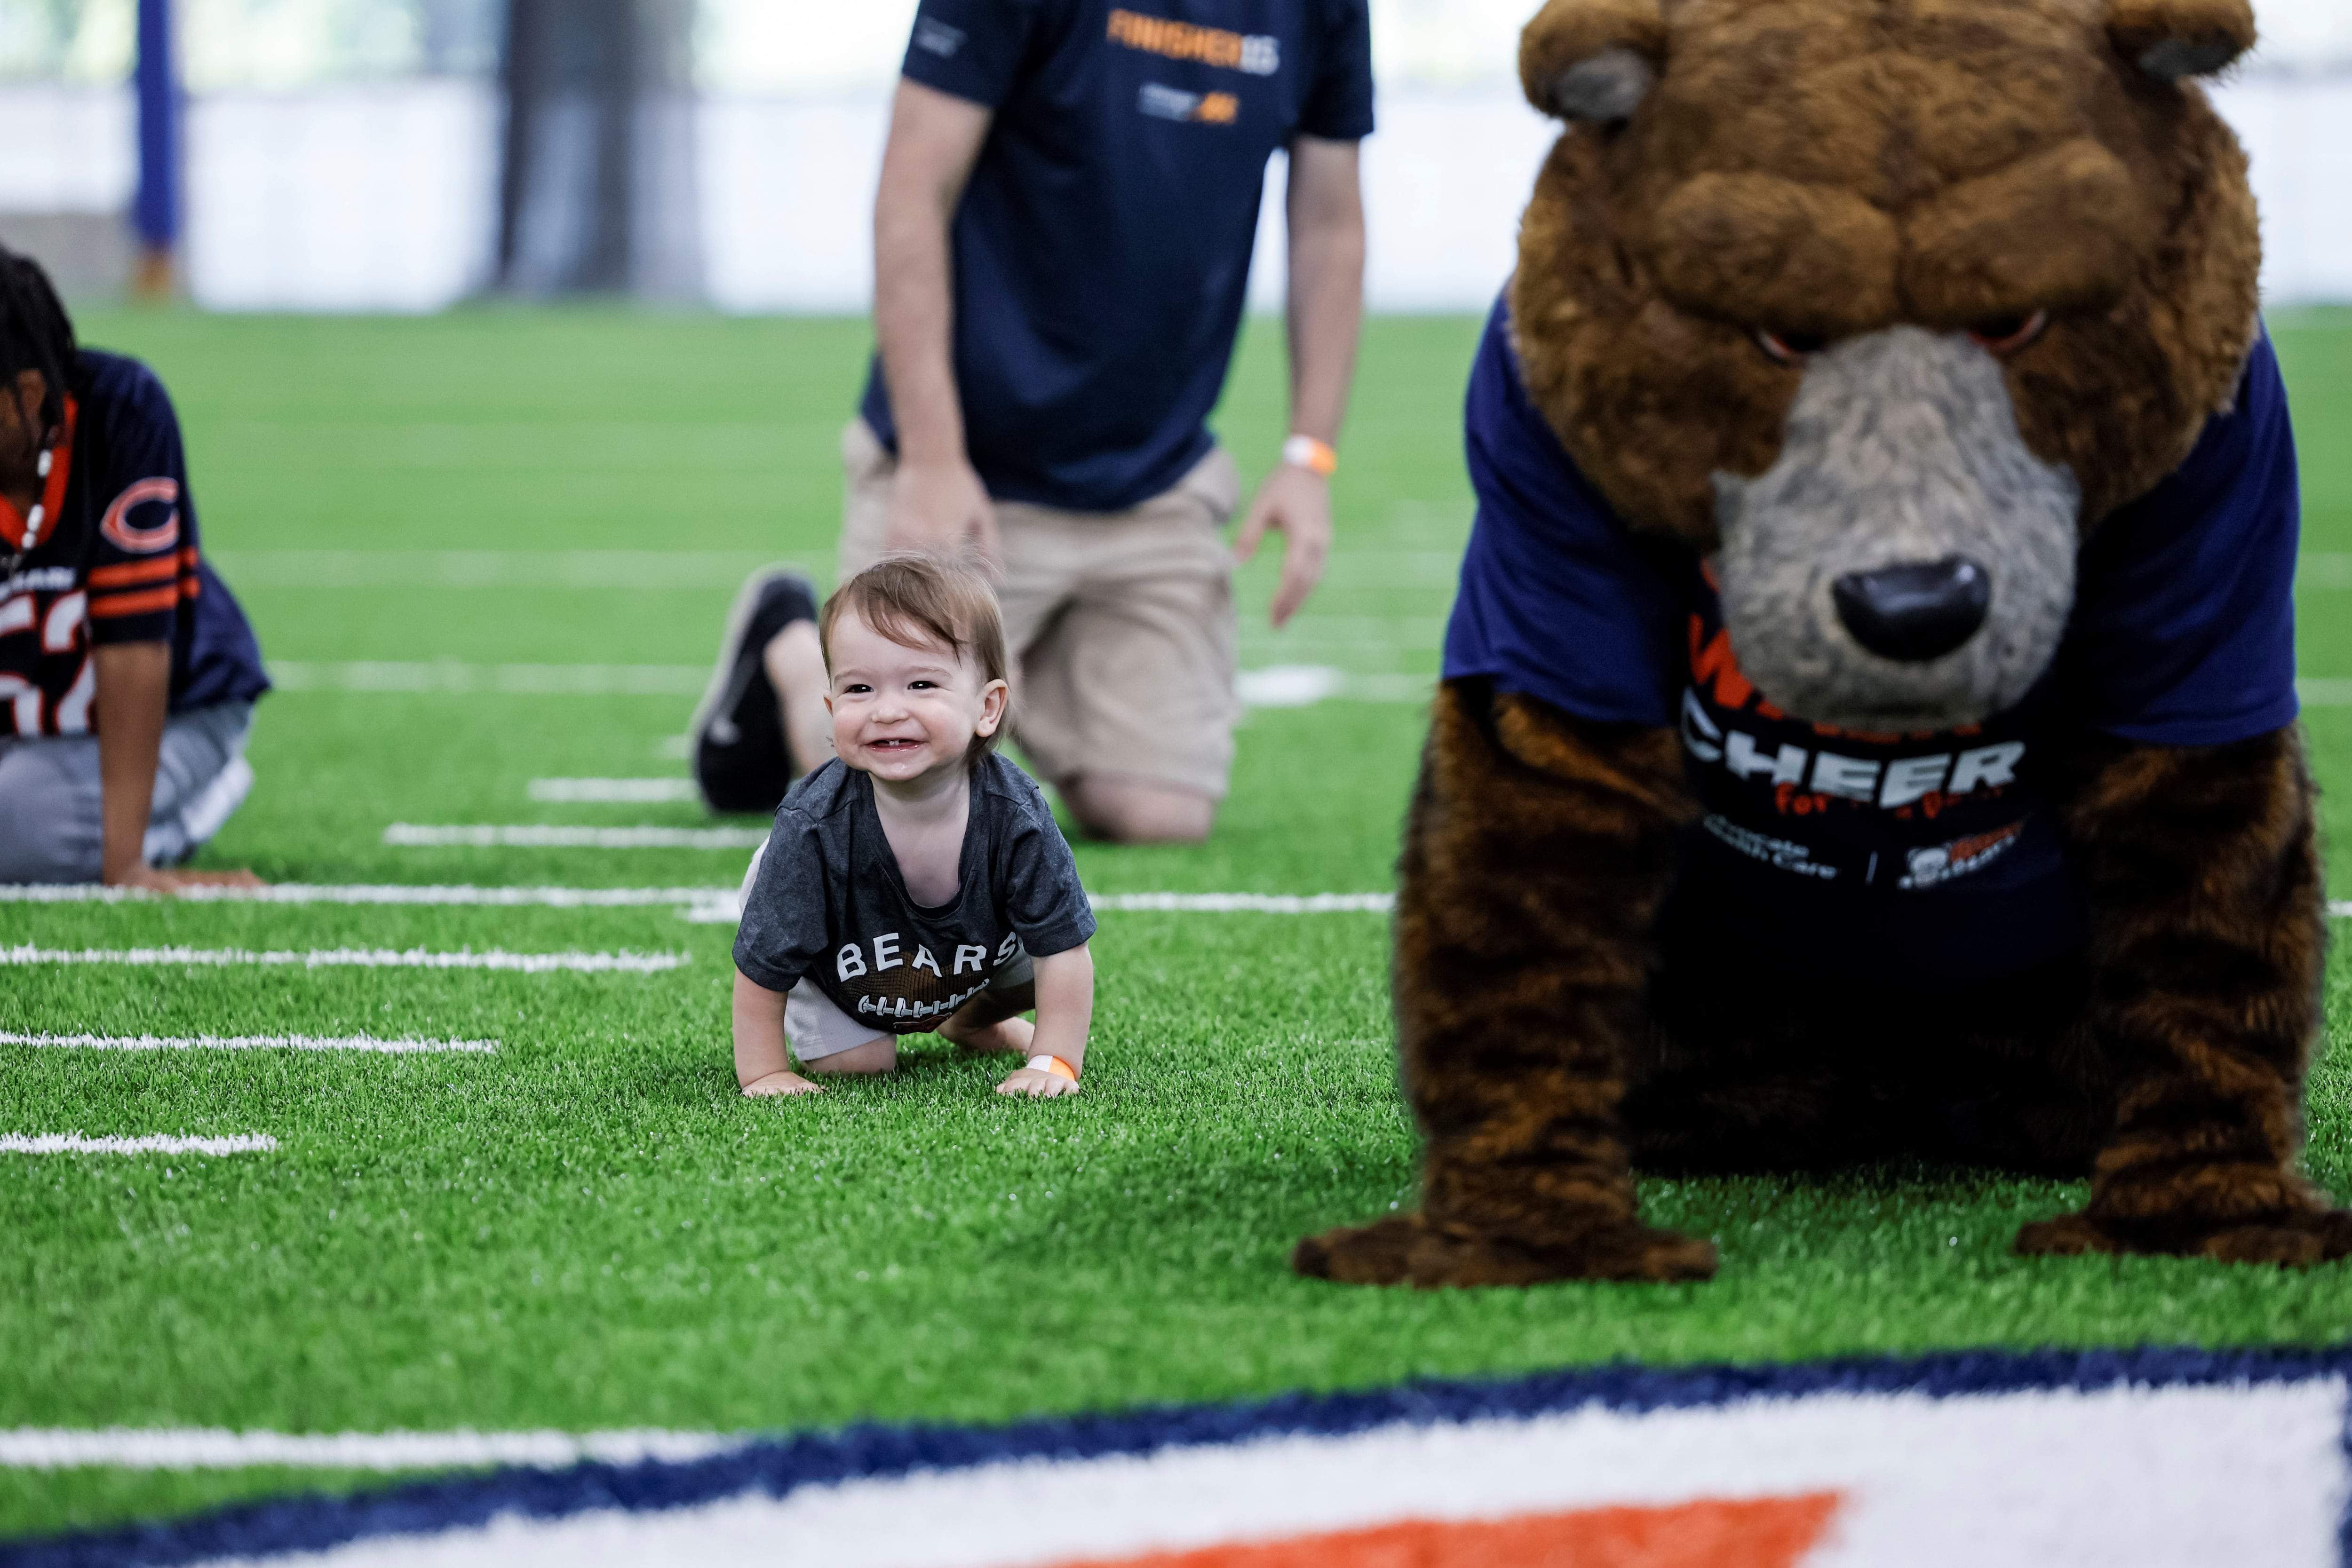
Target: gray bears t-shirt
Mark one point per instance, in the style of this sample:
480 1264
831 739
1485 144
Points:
829 906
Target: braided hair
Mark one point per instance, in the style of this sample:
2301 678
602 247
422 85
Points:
35 334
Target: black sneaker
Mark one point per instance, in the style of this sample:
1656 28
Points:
742 761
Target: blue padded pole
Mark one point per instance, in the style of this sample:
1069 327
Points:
155 210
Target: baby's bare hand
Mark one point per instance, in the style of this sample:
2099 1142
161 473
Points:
779 1084
1037 1085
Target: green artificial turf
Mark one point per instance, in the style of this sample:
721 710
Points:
589 1229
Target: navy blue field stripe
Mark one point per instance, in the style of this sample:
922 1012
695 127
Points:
782 1465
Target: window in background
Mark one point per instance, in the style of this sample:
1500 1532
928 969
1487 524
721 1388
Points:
230 44
66 40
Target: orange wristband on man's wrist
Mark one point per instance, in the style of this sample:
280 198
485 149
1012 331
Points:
1054 1065
1315 457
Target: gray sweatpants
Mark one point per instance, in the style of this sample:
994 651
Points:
51 828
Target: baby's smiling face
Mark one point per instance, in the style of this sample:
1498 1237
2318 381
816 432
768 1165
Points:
904 711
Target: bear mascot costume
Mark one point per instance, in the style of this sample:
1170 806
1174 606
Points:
1868 723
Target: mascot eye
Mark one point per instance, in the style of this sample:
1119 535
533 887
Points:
2007 334
1791 348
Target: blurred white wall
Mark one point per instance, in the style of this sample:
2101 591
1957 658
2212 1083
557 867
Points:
788 200
381 196
788 189
70 149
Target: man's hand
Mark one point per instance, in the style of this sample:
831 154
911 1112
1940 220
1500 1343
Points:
1326 208
780 1083
941 505
1037 1085
1297 502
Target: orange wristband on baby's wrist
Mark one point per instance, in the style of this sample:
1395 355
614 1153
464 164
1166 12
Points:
1054 1065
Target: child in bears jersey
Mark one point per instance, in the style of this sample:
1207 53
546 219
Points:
916 882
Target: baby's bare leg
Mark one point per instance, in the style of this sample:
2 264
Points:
993 1021
879 1055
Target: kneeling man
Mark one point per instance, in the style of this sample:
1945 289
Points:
127 672
1062 238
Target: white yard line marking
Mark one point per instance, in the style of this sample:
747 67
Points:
633 570
358 1042
672 570
544 836
218 1448
375 893
513 680
2340 909
1303 685
354 958
724 907
1275 686
1245 903
2323 568
625 791
155 1143
2321 691
699 901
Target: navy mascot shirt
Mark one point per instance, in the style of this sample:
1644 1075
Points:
1929 857
117 560
1102 247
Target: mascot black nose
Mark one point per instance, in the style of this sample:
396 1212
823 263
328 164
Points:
1915 613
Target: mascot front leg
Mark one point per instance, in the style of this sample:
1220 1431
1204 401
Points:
1535 859
2208 939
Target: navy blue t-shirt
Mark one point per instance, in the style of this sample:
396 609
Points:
1102 248
1926 856
119 561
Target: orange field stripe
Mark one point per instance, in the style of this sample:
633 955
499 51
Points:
1748 1533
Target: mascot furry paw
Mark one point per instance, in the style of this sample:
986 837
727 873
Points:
1868 726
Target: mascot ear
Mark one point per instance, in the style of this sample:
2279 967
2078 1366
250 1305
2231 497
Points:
1592 61
2172 40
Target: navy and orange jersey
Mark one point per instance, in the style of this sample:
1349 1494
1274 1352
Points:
1929 855
116 559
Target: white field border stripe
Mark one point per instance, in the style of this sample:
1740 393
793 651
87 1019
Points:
219 1448
2117 1477
152 1143
541 835
450 894
354 958
355 1042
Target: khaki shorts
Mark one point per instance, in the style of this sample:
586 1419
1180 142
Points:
1121 624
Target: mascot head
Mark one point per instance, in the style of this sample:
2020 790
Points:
1883 305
